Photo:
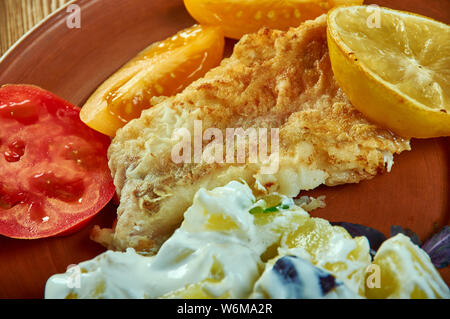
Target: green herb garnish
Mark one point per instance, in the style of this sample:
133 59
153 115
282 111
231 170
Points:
273 209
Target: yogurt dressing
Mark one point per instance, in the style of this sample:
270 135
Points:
215 253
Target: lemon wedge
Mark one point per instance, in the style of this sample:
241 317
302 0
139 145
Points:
394 66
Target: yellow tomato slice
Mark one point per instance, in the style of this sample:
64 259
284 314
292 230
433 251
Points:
238 17
163 69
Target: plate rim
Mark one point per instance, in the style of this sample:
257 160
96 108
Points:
34 29
54 15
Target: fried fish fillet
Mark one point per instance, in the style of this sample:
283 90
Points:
273 79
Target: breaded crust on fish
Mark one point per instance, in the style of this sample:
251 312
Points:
273 79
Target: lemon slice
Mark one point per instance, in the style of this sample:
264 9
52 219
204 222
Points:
406 272
394 67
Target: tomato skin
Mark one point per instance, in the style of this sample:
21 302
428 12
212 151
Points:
75 228
54 176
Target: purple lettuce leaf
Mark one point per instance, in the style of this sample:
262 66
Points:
438 248
375 237
407 232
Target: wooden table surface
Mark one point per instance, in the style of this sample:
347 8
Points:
19 16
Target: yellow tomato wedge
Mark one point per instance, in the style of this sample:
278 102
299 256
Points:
163 69
394 67
238 17
405 272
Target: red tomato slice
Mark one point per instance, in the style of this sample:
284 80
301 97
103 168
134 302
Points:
54 174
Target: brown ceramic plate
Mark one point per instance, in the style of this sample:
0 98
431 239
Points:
73 62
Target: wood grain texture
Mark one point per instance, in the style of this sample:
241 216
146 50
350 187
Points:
19 16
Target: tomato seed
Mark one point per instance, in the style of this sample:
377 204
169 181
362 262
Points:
36 213
16 151
11 156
